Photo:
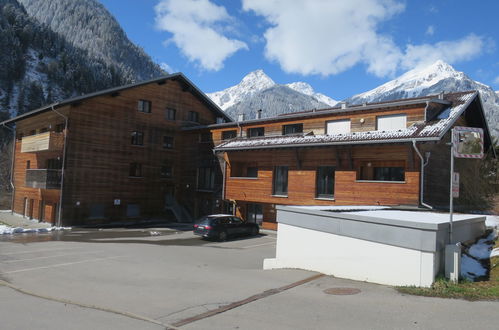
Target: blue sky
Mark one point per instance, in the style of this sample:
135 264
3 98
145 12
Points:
340 47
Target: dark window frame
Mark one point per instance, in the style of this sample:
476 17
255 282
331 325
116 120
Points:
168 142
137 138
324 183
382 171
144 106
206 178
193 116
170 114
255 131
280 181
166 172
226 135
292 129
135 170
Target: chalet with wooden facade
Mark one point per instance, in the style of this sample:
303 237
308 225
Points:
118 154
390 153
163 148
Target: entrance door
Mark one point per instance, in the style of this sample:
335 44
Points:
254 213
169 196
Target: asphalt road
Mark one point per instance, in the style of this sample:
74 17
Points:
160 278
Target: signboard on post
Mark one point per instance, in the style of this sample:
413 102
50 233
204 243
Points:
467 142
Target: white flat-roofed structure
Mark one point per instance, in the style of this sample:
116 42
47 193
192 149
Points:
368 243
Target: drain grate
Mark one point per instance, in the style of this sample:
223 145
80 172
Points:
342 291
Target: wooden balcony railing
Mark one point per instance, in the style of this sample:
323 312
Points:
48 141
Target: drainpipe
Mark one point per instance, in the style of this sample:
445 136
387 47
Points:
423 164
59 212
12 167
223 172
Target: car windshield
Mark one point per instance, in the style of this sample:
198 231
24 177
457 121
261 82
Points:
207 221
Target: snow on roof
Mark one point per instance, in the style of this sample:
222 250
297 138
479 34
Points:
434 128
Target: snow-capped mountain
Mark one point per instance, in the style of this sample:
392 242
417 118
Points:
437 77
258 91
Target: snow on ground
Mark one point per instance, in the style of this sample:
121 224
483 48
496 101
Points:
7 230
471 267
492 221
419 216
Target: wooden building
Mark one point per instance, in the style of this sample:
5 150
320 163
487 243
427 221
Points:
390 153
118 154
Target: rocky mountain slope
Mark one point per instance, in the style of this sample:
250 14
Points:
258 91
87 25
434 79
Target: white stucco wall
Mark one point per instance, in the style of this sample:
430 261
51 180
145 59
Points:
351 258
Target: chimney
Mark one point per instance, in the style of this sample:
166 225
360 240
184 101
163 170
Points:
343 104
441 95
259 114
240 117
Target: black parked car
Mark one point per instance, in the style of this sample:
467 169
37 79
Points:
222 226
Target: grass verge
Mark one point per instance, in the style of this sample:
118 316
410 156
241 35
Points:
483 290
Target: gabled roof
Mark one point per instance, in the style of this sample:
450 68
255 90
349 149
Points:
432 130
174 76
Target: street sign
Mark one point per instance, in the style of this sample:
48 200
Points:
455 185
467 142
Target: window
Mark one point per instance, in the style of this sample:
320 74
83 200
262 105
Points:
170 113
338 127
256 131
54 163
229 134
137 138
280 181
292 129
28 164
382 171
166 172
144 106
325 182
254 213
391 122
168 142
193 116
135 170
252 172
206 178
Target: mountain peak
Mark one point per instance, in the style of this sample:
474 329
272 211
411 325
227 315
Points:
256 80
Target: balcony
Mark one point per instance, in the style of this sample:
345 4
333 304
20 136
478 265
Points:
43 179
48 141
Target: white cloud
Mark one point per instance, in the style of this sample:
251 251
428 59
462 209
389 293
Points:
198 28
448 51
328 37
430 30
496 81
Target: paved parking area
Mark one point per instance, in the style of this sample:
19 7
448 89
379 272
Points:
164 278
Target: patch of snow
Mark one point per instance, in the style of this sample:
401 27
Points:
419 216
492 221
7 230
306 89
482 248
494 253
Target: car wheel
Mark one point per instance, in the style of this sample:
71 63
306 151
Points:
222 236
254 231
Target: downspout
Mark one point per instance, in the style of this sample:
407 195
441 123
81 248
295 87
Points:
223 173
59 212
12 167
423 164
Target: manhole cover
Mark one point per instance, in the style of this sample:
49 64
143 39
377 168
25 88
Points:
342 291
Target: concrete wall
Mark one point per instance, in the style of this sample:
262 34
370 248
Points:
384 251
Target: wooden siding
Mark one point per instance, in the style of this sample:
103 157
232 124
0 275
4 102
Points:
48 141
361 121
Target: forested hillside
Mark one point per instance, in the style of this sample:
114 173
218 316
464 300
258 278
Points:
88 25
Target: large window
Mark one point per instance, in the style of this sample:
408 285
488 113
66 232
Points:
166 172
168 142
338 127
135 169
229 134
206 178
193 116
137 138
144 106
254 213
170 113
391 122
256 131
325 182
292 129
382 171
280 181
243 170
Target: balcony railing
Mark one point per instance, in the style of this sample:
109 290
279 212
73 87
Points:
43 179
48 141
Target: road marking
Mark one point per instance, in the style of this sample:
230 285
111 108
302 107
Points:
60 265
256 245
248 300
46 257
41 250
